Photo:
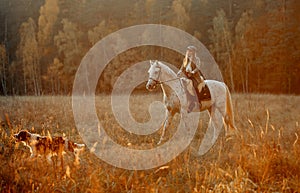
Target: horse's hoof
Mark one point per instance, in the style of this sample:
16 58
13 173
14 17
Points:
228 138
231 134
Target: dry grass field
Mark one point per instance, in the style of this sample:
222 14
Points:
263 157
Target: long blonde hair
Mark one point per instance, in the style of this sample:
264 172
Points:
185 60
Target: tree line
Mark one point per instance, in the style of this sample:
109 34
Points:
255 43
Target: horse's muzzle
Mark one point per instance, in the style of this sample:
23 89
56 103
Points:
150 86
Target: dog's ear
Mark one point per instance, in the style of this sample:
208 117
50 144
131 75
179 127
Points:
24 135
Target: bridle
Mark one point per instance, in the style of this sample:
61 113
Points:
156 80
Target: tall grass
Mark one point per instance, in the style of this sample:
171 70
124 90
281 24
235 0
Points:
262 157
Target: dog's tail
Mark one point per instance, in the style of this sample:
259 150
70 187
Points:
79 145
71 146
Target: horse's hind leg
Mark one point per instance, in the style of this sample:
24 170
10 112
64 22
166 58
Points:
222 109
228 123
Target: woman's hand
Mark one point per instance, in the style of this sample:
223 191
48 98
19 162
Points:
179 73
194 71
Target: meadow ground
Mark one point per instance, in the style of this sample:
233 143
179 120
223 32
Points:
263 157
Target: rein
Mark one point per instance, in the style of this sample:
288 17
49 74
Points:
162 82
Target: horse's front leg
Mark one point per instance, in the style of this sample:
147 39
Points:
165 125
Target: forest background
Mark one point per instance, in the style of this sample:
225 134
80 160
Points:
256 43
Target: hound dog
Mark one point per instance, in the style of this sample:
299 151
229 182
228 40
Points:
48 146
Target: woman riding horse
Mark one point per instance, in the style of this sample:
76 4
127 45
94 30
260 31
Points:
191 68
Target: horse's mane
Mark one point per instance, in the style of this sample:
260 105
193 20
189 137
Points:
166 68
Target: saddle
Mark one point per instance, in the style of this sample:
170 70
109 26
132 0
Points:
204 94
202 91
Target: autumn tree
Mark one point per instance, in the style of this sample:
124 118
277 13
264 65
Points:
149 7
242 53
181 10
47 19
3 69
15 81
54 75
222 44
28 55
70 50
266 51
95 34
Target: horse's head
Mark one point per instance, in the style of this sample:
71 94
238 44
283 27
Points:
154 75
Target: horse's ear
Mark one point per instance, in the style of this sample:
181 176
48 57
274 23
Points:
151 62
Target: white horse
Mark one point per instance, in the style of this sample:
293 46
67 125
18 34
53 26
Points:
219 104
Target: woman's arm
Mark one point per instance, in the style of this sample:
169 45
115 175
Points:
183 66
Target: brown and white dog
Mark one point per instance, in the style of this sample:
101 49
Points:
48 146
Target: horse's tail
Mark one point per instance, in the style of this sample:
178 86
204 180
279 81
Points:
229 118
